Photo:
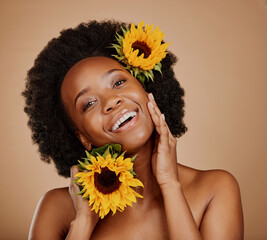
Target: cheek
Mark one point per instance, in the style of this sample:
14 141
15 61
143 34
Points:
140 96
149 123
138 138
93 129
137 94
91 124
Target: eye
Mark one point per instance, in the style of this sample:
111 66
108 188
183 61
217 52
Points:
88 105
118 83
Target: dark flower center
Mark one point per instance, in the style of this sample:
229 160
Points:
142 47
106 182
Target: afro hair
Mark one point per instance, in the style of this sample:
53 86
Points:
51 128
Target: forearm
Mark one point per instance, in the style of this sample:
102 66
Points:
81 228
180 221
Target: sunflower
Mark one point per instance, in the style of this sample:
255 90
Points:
141 50
107 181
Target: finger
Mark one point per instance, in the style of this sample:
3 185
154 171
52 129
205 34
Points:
164 140
157 110
155 105
74 170
152 99
73 186
156 142
166 143
155 117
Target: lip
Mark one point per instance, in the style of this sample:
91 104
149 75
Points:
127 125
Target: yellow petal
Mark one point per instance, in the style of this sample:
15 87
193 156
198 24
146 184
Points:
140 26
116 197
137 194
135 183
130 196
148 29
105 202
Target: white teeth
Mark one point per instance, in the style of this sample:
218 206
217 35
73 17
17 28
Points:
122 119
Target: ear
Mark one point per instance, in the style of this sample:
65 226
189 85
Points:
84 141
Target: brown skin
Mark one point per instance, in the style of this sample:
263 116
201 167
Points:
179 202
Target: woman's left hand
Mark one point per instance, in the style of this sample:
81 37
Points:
164 161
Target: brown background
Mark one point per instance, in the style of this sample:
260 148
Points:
222 47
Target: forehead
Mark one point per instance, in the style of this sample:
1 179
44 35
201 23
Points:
91 68
87 72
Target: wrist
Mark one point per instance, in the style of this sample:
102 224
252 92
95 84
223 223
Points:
87 216
170 185
83 215
81 220
82 226
84 220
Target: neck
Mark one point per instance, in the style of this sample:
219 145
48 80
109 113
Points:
143 169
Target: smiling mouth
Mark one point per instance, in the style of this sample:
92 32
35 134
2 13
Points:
126 119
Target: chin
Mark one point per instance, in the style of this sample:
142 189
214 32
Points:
137 141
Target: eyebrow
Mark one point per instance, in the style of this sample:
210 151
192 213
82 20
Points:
111 71
85 90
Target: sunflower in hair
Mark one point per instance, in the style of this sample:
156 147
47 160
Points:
107 179
141 50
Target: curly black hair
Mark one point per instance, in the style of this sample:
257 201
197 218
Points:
51 127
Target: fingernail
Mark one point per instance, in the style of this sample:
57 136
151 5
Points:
151 104
151 95
163 116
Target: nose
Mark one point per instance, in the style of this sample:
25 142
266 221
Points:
112 103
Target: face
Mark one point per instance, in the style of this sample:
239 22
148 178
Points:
106 104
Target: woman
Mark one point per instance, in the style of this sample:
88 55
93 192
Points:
75 94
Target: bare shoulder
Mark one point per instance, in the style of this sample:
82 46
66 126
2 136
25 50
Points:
217 193
215 181
54 211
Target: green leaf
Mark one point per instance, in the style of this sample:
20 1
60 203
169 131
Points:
79 167
157 67
76 180
83 165
118 48
80 193
99 151
124 31
107 152
141 78
128 67
136 71
132 172
119 38
110 147
116 45
151 75
122 155
88 155
146 73
98 154
120 58
87 161
87 197
133 158
116 147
